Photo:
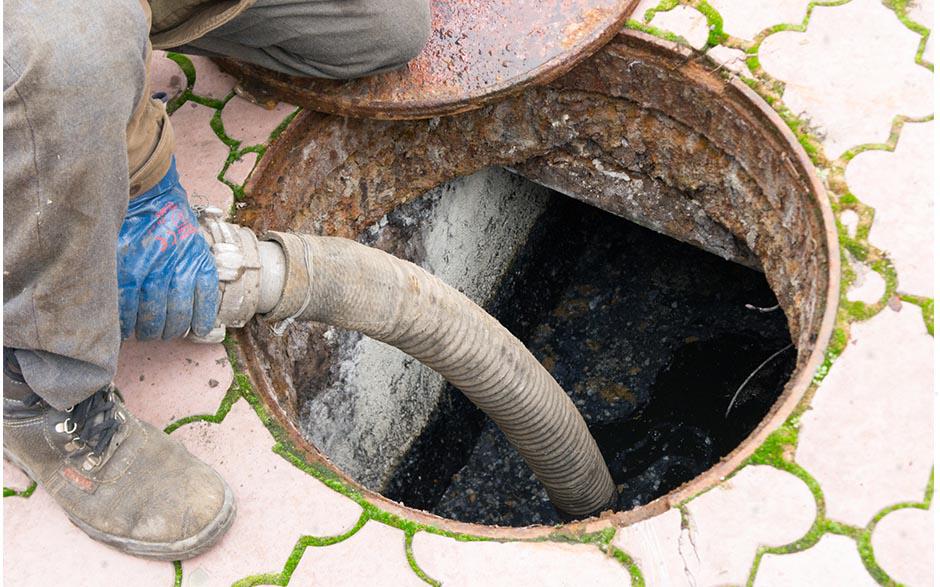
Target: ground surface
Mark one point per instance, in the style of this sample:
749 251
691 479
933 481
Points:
841 495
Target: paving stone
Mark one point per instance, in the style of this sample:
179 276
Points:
41 547
458 564
745 19
760 506
903 543
730 59
375 555
13 477
849 219
686 22
834 560
659 547
163 381
251 124
921 12
868 287
211 82
862 74
166 75
868 437
241 168
899 185
277 502
200 155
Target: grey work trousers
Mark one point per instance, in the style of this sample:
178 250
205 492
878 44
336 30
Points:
74 74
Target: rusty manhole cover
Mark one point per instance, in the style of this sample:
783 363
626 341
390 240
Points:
643 130
479 51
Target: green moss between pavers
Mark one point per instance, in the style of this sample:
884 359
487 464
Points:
900 8
410 555
10 492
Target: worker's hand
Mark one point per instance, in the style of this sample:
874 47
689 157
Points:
166 273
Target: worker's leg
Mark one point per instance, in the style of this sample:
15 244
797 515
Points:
74 81
323 38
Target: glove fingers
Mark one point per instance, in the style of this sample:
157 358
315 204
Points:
206 300
129 295
151 315
179 308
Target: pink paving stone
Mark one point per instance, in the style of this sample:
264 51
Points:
458 564
241 168
166 75
200 156
854 89
903 543
745 19
375 555
211 82
41 547
164 381
685 21
760 506
899 185
277 503
659 547
731 59
833 561
13 477
251 124
868 437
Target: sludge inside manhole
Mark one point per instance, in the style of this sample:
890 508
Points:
650 336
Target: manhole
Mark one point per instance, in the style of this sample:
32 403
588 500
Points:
651 335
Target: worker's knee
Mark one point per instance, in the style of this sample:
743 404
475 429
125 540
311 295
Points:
382 35
403 29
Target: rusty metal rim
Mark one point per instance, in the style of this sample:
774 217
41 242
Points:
796 388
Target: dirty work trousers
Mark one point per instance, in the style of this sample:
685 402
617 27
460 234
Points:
81 135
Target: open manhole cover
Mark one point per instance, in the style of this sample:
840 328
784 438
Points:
634 223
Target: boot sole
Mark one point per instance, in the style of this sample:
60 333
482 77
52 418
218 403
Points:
163 551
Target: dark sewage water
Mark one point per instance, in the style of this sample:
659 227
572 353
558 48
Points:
649 336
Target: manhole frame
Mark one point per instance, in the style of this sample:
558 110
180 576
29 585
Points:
799 383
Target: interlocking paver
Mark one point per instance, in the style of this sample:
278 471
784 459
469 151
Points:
868 437
899 185
211 82
659 547
760 506
252 124
731 59
745 19
457 564
41 547
375 555
277 502
868 287
200 155
921 12
163 381
851 72
686 22
903 543
166 75
834 560
241 168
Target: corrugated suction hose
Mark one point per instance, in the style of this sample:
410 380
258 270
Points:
343 283
340 282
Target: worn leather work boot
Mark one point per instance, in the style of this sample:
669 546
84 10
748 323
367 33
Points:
120 480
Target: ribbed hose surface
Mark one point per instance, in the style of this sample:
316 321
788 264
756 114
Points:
359 288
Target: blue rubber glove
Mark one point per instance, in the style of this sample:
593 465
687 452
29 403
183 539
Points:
166 273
